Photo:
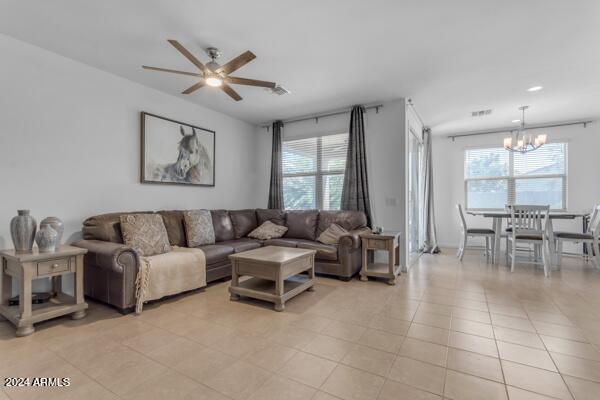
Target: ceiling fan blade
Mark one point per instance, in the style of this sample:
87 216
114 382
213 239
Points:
237 62
187 54
193 88
227 89
173 71
250 82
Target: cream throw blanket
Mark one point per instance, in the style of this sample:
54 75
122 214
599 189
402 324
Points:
170 273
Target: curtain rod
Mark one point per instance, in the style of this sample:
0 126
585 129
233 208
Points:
512 128
331 114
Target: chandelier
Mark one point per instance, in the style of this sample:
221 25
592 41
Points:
523 142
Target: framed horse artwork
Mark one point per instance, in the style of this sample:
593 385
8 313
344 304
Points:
174 152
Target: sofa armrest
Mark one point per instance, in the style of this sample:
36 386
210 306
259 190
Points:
108 255
352 239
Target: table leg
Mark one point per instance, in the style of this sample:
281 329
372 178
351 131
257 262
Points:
25 302
5 286
234 281
391 265
279 286
551 244
363 268
79 299
311 274
497 238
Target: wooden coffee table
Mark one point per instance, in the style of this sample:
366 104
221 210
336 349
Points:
276 274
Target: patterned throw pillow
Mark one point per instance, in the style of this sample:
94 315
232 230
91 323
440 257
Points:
145 233
268 230
332 234
199 228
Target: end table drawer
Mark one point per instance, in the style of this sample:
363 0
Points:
377 244
52 266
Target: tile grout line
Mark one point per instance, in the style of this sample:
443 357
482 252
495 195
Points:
499 359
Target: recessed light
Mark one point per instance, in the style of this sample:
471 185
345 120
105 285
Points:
516 120
535 88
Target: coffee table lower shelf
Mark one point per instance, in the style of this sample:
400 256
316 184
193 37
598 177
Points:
264 289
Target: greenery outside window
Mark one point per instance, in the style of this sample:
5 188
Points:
313 172
495 177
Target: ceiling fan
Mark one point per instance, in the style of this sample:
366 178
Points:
213 74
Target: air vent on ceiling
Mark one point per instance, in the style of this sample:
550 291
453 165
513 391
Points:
480 113
280 90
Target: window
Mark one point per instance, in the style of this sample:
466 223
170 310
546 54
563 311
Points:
313 172
495 177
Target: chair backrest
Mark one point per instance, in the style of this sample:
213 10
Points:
463 222
594 224
529 219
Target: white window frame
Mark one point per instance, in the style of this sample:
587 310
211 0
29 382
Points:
511 179
318 174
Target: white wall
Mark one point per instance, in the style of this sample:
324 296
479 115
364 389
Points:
583 191
70 143
385 140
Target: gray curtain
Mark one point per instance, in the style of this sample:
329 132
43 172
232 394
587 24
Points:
429 233
355 192
276 186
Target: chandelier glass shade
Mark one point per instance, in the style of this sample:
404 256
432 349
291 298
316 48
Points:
523 142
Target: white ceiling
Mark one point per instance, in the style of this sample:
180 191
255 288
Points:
450 57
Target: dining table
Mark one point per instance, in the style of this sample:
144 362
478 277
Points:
498 216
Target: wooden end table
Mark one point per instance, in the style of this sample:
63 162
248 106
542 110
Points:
26 267
388 241
277 274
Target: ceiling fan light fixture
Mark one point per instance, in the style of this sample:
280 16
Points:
214 80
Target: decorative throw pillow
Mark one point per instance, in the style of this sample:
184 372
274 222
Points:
145 233
268 230
332 234
199 228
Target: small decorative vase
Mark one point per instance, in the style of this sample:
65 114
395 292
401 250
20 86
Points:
57 225
22 231
46 238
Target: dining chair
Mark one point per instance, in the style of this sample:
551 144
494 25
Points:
507 232
488 234
528 223
590 237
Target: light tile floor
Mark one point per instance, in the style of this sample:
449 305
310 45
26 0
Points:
448 330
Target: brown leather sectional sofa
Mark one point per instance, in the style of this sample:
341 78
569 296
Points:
111 267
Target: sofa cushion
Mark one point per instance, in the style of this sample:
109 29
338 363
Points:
198 227
302 224
332 234
275 216
243 244
174 224
222 225
327 252
215 253
106 227
268 230
244 222
281 242
349 220
145 233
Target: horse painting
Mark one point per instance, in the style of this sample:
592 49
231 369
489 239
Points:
194 164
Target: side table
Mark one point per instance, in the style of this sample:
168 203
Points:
25 267
388 241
